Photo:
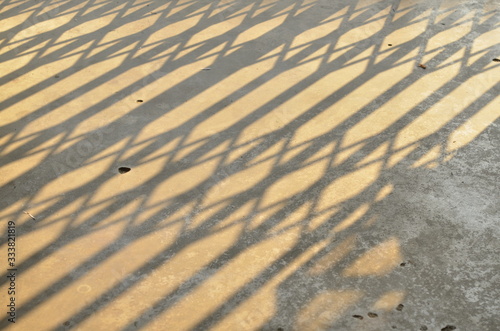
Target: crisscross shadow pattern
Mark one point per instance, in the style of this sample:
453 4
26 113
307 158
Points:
251 164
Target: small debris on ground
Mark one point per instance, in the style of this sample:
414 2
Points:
402 264
449 328
27 213
372 315
423 66
400 307
359 317
206 69
389 44
423 328
123 170
496 60
140 100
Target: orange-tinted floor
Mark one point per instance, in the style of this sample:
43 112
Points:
250 165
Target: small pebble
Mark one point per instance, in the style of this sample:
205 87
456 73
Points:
124 170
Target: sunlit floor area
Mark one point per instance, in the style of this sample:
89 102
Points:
275 165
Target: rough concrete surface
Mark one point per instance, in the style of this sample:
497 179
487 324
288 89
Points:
285 165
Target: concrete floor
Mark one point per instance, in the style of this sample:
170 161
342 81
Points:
295 164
